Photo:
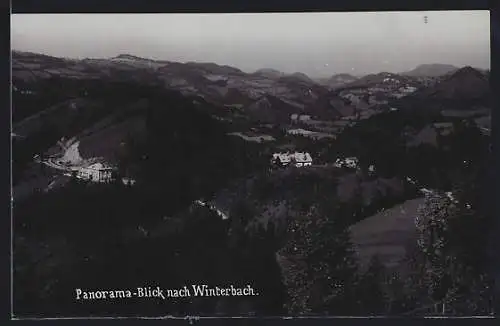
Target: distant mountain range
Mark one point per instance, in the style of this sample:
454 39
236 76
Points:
338 80
383 78
463 93
221 85
462 84
107 105
270 73
185 133
267 95
431 70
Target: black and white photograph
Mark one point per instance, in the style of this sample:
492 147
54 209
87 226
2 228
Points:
251 164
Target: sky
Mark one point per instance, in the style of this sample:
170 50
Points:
317 44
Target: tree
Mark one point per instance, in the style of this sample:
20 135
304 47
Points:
467 142
453 268
117 177
277 162
370 289
397 299
242 212
432 223
318 265
74 176
296 278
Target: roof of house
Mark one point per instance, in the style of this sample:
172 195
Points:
298 156
303 157
347 159
299 131
99 166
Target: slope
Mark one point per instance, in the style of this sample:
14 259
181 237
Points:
431 70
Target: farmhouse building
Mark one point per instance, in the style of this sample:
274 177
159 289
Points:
299 131
96 172
300 117
297 159
348 162
304 117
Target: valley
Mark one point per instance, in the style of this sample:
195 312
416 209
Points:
143 156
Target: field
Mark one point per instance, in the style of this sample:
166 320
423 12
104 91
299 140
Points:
386 233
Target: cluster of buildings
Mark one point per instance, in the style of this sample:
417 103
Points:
300 159
363 98
100 173
96 172
22 91
300 117
309 133
404 91
348 162
297 159
253 138
301 132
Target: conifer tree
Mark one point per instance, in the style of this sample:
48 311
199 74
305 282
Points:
318 264
370 289
453 270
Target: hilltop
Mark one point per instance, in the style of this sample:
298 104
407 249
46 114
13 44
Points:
338 80
269 73
431 70
221 85
464 89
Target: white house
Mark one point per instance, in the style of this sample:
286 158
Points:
349 162
97 172
407 89
297 159
300 131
